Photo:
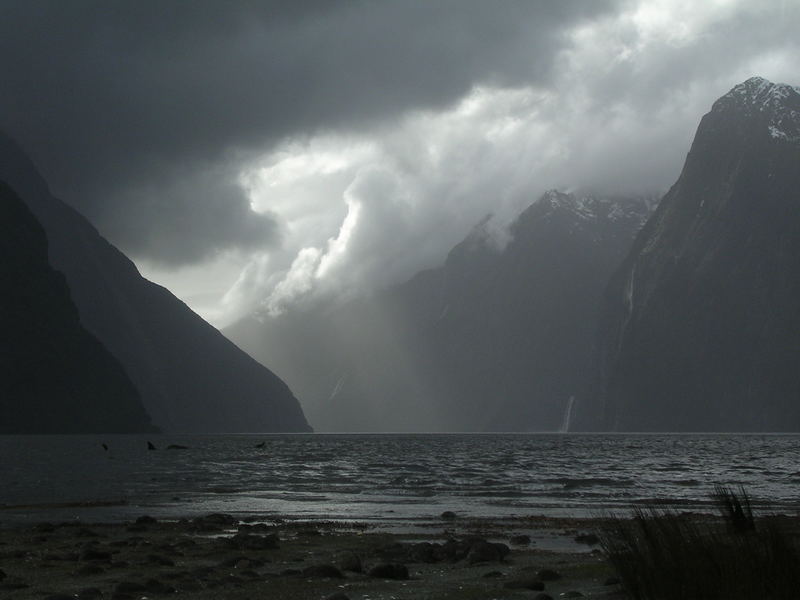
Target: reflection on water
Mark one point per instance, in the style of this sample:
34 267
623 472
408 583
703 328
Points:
386 477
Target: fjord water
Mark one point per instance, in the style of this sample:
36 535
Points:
389 478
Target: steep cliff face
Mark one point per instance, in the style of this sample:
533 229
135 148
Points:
701 325
55 377
190 377
497 339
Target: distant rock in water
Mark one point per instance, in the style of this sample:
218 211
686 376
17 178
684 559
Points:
190 377
499 338
701 327
55 377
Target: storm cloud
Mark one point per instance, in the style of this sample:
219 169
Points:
302 149
127 106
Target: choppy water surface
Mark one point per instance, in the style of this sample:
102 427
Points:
386 477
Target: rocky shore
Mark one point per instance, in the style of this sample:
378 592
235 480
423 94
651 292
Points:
220 556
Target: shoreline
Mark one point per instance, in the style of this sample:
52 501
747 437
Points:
220 556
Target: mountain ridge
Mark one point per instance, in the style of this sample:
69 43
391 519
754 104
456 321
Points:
699 319
190 377
55 376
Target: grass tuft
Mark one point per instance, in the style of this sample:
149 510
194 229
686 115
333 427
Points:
660 554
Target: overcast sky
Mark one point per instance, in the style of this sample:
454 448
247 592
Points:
255 155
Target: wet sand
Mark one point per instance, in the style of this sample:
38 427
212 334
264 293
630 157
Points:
220 557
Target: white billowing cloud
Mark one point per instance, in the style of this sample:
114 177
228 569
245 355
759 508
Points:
362 211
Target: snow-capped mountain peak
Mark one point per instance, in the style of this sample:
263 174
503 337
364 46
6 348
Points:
778 103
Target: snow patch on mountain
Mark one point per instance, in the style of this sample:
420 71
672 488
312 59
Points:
779 102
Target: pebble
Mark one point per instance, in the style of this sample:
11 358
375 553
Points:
94 554
483 552
526 583
162 561
350 561
548 575
589 539
322 571
389 571
338 596
520 540
248 541
146 520
129 587
89 570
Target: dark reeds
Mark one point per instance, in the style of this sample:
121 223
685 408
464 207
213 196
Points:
663 555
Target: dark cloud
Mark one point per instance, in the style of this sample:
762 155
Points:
139 112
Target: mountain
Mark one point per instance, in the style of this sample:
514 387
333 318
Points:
189 376
498 338
55 377
701 325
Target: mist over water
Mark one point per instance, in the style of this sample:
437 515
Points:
387 478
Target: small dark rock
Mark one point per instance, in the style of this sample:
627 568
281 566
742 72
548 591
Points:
525 583
129 587
87 533
338 596
14 584
217 519
177 447
94 554
502 549
389 571
255 528
572 594
242 562
146 520
520 540
350 561
162 561
2 575
589 539
91 593
548 575
448 515
542 596
89 570
423 552
155 586
44 527
612 581
191 586
492 575
59 597
247 541
322 571
290 572
483 552
232 581
308 533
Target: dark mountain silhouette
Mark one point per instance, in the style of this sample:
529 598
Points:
701 327
189 376
499 338
55 377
